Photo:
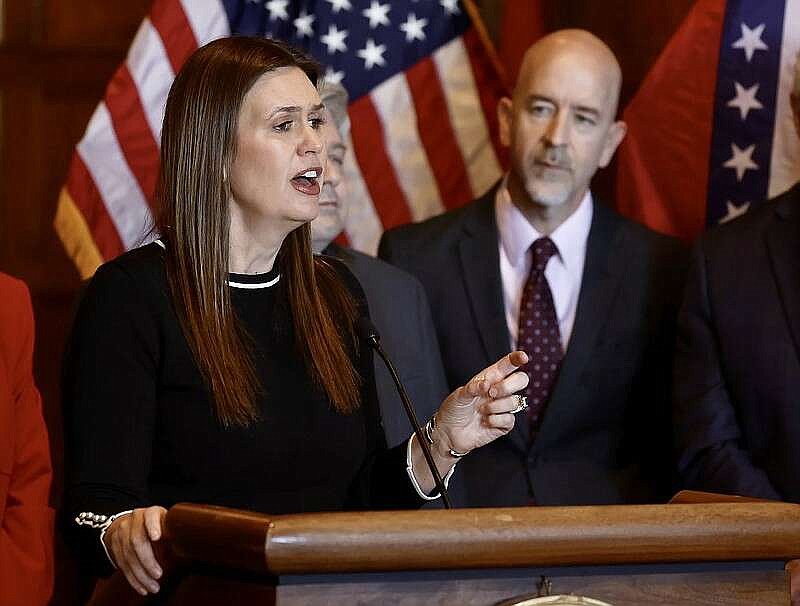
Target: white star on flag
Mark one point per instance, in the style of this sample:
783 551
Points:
372 54
450 6
734 211
338 5
741 160
413 28
333 77
745 99
377 14
277 10
303 24
334 40
751 41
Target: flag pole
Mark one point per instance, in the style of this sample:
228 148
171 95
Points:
486 41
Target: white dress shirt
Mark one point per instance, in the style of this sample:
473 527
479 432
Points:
564 272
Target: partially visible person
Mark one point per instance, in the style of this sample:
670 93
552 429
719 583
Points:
793 568
220 364
26 520
737 362
737 359
397 302
538 263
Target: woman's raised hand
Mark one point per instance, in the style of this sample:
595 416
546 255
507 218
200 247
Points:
129 542
483 410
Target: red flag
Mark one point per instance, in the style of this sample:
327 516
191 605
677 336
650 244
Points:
710 131
522 25
663 163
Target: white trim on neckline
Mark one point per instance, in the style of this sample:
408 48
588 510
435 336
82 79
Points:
245 285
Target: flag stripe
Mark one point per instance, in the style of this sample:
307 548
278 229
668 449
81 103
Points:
489 86
152 74
436 134
418 139
469 127
785 163
132 131
118 187
87 199
393 103
342 240
170 20
362 223
207 19
79 243
379 174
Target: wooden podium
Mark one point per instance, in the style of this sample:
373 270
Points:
687 552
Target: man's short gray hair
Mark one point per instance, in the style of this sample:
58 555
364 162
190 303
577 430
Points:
334 96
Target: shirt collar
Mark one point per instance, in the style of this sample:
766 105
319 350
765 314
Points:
517 234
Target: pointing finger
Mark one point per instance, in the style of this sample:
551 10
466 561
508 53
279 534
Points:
502 368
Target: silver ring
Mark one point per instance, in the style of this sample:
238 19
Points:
522 404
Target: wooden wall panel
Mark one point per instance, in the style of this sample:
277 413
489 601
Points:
92 23
55 59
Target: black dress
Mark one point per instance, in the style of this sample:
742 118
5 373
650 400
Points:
141 429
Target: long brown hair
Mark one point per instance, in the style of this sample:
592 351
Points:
198 146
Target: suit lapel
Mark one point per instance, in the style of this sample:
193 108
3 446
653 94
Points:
480 265
603 269
783 244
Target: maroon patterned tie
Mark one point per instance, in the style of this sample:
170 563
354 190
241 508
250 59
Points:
538 333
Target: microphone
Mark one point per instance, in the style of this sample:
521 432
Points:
367 331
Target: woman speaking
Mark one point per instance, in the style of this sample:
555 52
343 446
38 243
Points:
220 363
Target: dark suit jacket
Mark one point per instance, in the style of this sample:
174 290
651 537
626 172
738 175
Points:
605 435
399 309
737 366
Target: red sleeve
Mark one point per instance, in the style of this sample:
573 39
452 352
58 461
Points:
26 520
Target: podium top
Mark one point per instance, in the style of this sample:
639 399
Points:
484 538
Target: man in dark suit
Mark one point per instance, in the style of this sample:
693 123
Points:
397 302
537 264
737 365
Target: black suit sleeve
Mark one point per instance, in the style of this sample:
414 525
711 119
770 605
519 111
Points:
711 453
109 430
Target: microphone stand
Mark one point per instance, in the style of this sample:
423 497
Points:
372 337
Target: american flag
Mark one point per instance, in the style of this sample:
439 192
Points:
423 85
710 132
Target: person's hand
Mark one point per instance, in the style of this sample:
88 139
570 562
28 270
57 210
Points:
128 541
793 568
480 411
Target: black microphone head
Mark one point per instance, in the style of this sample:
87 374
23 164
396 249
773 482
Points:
366 330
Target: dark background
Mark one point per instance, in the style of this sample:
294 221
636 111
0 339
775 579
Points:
55 59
